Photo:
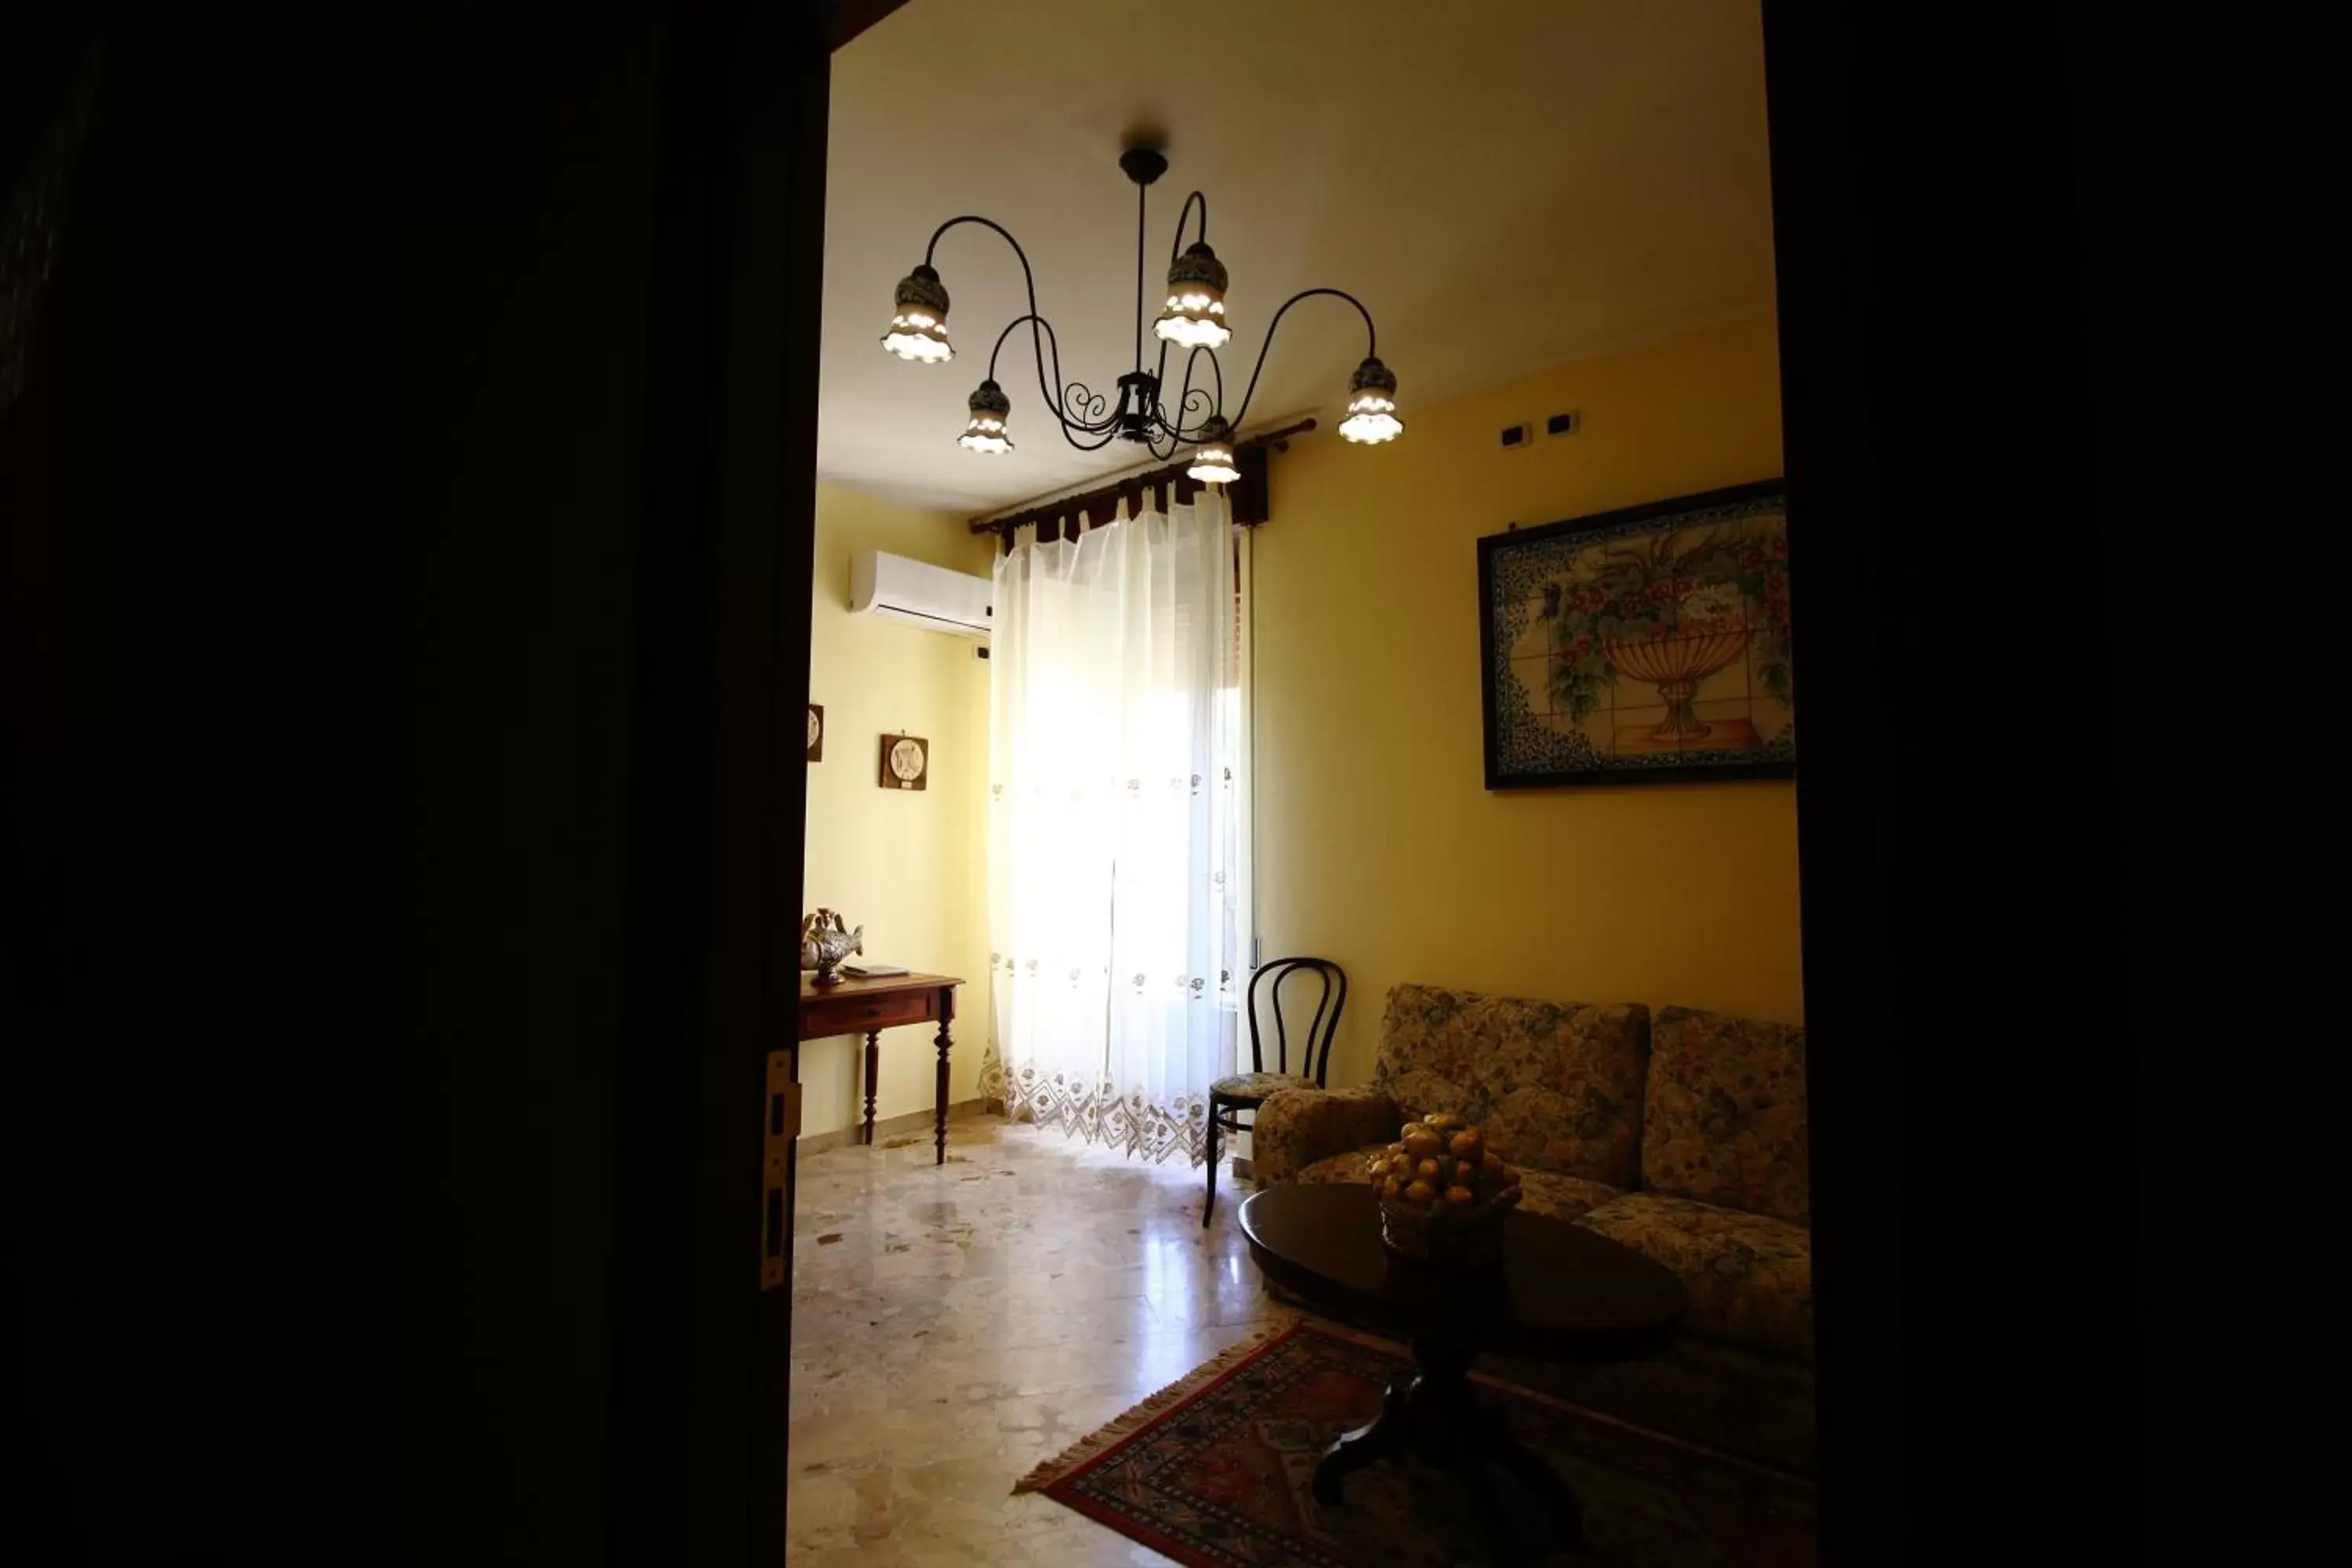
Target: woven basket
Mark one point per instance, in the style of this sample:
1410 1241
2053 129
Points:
1469 1236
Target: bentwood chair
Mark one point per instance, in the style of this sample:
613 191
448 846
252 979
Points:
1230 1099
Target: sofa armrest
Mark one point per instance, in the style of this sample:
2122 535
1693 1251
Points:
1296 1127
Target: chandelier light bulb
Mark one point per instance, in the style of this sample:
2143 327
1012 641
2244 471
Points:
1195 314
1371 404
984 432
919 327
1213 463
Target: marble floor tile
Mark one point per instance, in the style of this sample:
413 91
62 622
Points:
954 1325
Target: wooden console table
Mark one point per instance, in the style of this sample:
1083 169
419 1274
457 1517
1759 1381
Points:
869 1006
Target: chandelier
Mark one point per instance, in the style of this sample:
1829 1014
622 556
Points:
1193 320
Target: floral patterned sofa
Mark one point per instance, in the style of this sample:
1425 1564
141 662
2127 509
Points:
1683 1139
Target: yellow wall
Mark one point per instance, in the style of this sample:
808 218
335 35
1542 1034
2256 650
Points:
908 866
1378 844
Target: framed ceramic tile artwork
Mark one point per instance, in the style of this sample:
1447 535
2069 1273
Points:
1646 646
906 763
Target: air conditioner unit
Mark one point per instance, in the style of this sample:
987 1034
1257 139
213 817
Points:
920 593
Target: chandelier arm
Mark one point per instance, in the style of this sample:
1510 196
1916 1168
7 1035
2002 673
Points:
1037 340
1372 337
1175 426
1201 431
1158 380
1008 333
1079 395
1177 247
1216 409
1084 394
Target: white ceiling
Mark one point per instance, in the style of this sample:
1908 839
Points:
1508 184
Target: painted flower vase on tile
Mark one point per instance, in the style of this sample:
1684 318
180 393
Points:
1442 1193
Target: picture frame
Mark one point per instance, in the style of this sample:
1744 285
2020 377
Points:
906 763
1648 645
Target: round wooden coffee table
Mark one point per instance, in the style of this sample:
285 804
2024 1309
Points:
1560 1294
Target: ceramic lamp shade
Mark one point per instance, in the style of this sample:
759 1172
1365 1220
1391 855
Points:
984 431
1213 462
1371 406
918 322
1195 316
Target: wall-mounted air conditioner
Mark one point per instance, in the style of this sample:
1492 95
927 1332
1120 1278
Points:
920 593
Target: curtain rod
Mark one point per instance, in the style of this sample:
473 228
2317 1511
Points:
1250 488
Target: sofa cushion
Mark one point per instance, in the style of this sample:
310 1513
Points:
1751 1278
1556 1085
1562 1198
1258 1085
1725 1118
1355 1165
1296 1127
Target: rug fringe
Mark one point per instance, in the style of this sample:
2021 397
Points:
1125 1426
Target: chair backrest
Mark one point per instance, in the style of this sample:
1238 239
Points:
1315 1058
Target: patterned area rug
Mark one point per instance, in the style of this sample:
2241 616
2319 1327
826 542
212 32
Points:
1216 1469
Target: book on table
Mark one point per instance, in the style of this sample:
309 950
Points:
872 971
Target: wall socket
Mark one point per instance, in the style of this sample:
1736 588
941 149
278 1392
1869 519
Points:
1515 437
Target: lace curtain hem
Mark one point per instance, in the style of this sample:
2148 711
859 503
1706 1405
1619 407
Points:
1098 1112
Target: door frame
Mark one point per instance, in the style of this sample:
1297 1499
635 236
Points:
703 1355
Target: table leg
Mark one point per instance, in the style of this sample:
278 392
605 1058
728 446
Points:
1522 1464
873 1072
947 1015
1433 1411
1384 1434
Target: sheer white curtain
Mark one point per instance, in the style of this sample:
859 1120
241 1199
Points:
1118 829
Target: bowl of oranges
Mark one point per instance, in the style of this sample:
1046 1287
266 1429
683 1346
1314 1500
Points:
1442 1193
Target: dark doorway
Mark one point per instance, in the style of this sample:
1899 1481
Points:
406 510
2035 294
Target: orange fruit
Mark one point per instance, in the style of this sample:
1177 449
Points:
1459 1197
1419 1194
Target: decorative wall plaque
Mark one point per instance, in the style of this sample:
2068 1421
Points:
906 761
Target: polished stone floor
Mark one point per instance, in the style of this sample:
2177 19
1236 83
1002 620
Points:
954 1325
